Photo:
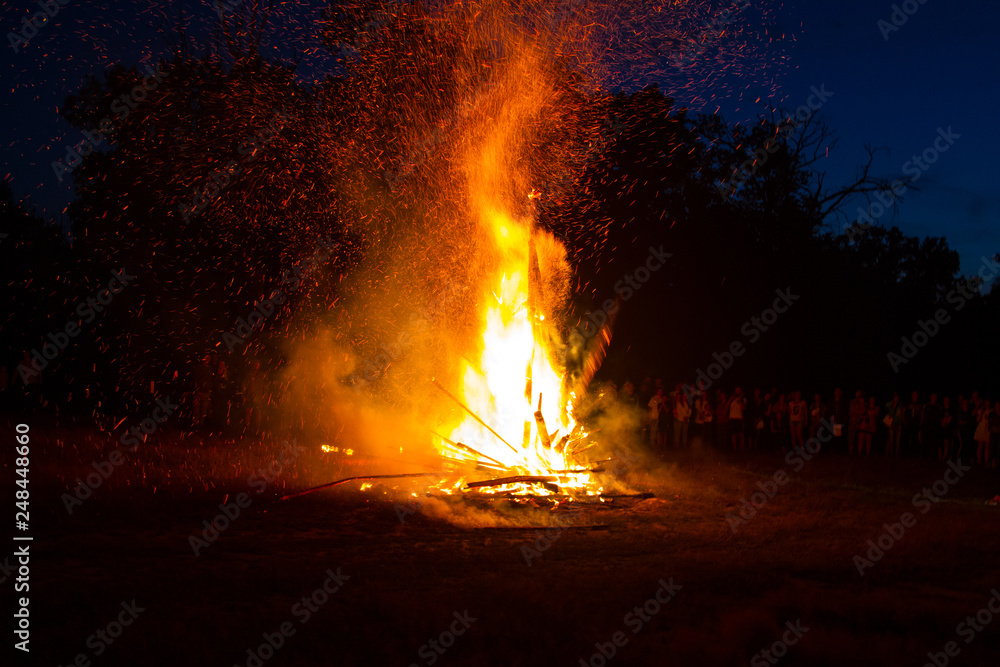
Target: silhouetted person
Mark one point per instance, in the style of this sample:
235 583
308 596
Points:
703 418
631 399
778 415
656 405
838 411
911 425
857 415
755 419
737 406
817 411
930 426
966 427
949 424
983 433
682 416
721 419
797 420
666 418
868 427
895 412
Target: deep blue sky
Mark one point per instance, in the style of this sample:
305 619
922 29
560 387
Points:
940 69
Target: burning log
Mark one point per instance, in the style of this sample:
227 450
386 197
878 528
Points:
594 501
535 295
527 396
486 467
543 432
546 481
577 452
466 448
527 377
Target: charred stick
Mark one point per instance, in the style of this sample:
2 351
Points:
520 479
465 447
349 479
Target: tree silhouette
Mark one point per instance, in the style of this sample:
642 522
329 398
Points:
230 169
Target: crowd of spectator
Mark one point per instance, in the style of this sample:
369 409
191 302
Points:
215 397
942 427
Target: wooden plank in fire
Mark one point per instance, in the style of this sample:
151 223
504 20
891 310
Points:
473 415
543 432
545 480
466 448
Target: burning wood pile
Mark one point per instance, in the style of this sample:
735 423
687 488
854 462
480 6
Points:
500 391
510 428
516 401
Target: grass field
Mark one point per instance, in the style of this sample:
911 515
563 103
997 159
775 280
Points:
410 574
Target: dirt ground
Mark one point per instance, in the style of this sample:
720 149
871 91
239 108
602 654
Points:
452 582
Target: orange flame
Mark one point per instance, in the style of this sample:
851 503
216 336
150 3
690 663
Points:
516 385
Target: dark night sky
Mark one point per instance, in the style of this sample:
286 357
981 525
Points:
939 70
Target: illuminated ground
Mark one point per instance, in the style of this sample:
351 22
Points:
792 562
